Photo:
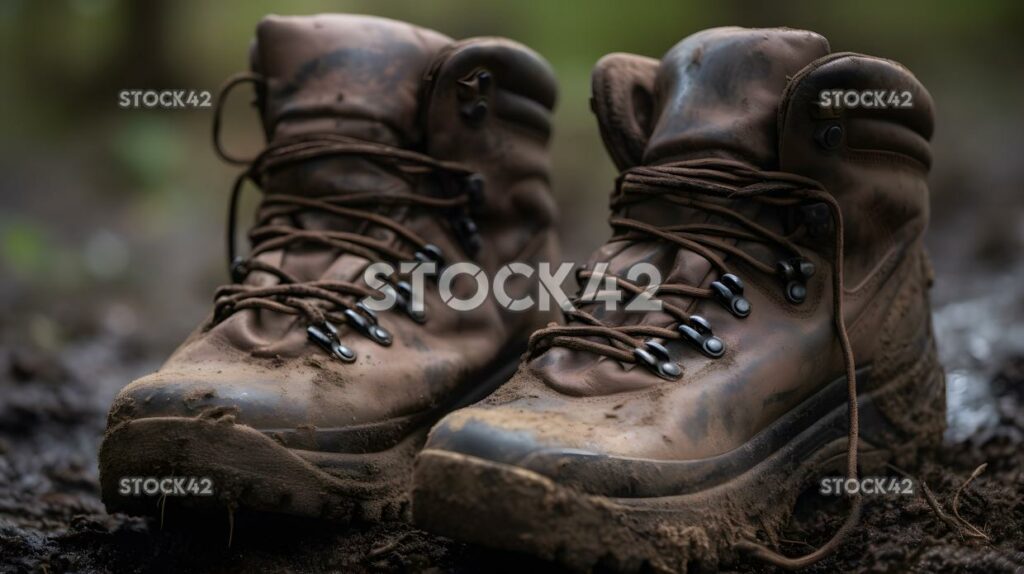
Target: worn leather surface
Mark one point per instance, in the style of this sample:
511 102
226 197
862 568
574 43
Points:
623 97
748 95
393 83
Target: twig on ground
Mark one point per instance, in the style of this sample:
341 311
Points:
958 525
385 548
974 530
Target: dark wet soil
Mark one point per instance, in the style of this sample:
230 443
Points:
51 518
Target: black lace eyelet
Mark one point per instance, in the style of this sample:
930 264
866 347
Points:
728 291
816 218
467 234
370 313
466 231
430 253
239 269
367 327
380 335
795 273
829 136
483 79
473 187
655 357
698 333
472 91
326 336
404 299
474 111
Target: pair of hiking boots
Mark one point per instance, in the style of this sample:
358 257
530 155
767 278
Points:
793 341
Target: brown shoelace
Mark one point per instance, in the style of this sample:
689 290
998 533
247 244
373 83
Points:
325 303
692 184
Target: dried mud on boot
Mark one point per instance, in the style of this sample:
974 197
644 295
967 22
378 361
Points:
51 516
793 339
298 394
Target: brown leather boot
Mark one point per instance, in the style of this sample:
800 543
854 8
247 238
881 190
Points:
788 238
386 143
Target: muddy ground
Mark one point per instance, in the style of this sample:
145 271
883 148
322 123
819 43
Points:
53 402
51 518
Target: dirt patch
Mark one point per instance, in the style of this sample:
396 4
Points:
904 533
51 518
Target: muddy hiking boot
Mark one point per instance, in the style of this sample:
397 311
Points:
385 143
788 238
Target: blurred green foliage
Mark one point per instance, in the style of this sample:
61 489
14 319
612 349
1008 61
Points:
60 54
23 247
145 187
148 149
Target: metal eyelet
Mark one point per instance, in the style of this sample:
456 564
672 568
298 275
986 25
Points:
326 336
475 111
816 218
655 357
699 334
729 292
367 311
430 253
239 269
472 90
461 219
404 299
467 233
829 136
795 273
367 327
473 187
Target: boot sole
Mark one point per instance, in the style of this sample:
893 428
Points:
247 469
510 508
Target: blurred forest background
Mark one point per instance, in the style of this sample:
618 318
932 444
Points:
111 220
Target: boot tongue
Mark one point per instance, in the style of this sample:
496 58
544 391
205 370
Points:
717 93
358 76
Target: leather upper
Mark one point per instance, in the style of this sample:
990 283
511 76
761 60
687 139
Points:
709 102
392 83
752 96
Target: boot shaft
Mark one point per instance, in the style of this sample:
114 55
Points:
755 95
389 143
871 150
484 103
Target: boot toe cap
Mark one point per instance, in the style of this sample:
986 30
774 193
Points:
514 438
251 400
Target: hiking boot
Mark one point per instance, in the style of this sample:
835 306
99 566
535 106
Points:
788 239
386 143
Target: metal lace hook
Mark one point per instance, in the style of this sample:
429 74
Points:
222 96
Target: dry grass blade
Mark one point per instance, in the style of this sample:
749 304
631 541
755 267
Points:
973 530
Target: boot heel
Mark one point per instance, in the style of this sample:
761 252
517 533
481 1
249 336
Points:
905 412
